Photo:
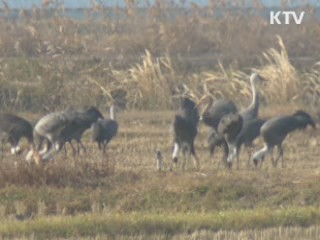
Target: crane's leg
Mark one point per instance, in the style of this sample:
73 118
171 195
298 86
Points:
104 150
237 153
46 148
280 155
214 141
65 150
101 148
39 142
196 161
15 148
226 152
259 156
74 152
2 144
184 154
274 162
175 154
261 162
249 151
80 144
225 147
212 148
230 155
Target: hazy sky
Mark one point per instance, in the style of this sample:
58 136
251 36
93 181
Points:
87 3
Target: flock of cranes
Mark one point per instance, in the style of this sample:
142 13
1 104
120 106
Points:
231 128
53 131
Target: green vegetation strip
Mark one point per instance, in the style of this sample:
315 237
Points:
151 223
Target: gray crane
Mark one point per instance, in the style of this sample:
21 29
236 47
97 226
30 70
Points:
274 132
104 130
252 111
249 132
211 115
49 128
229 127
12 129
213 111
60 127
217 140
82 120
185 127
248 114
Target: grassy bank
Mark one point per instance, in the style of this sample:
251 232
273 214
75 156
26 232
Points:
150 223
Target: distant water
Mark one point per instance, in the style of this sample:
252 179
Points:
18 4
83 14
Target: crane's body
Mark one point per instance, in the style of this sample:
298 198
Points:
104 130
12 129
275 130
185 127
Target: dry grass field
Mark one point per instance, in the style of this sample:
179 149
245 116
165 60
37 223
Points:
146 63
124 196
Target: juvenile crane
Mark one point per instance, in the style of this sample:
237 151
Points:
217 140
274 132
211 115
104 130
185 127
230 127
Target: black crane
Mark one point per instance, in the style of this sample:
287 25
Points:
185 127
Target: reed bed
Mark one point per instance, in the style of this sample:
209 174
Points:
145 60
146 57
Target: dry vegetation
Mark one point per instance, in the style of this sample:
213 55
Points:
145 62
146 57
125 194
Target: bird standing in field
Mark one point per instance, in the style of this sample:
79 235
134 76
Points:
57 128
12 129
185 127
49 129
81 120
252 111
251 122
229 127
274 132
211 115
159 160
104 130
249 132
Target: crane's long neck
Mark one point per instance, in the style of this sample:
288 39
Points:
254 106
113 113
